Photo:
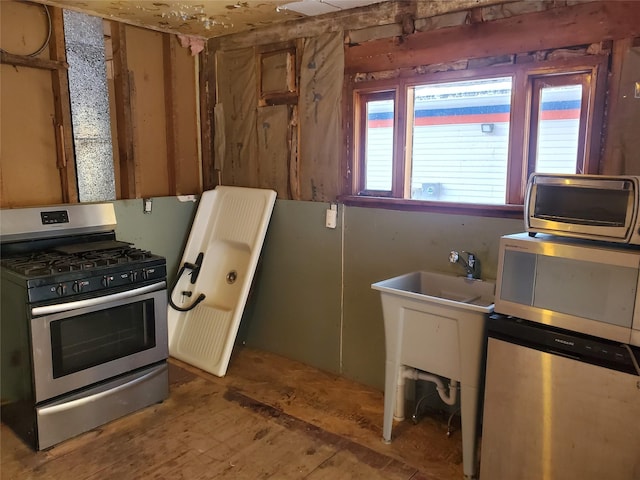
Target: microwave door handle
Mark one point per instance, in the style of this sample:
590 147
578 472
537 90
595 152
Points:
91 302
605 183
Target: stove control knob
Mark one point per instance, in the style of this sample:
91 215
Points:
133 276
61 289
148 273
77 287
106 280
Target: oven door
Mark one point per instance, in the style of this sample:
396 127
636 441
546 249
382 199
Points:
77 344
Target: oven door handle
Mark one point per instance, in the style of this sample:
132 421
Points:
91 302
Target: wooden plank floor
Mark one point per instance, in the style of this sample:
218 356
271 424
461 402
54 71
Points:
268 418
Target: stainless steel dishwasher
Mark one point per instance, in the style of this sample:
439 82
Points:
559 405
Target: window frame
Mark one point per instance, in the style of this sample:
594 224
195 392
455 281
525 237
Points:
539 82
360 168
519 136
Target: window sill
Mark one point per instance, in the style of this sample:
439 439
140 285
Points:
478 210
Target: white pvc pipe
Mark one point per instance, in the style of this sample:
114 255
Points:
449 397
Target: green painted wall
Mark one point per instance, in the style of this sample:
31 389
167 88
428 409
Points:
294 308
164 231
312 300
381 244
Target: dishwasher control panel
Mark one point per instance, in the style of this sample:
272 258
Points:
594 350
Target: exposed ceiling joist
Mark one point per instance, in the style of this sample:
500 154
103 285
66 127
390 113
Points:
206 18
218 18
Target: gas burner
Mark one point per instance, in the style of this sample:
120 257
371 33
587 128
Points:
53 262
118 255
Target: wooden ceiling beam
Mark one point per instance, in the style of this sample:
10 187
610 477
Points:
558 27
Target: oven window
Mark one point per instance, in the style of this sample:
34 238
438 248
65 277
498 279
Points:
582 206
84 341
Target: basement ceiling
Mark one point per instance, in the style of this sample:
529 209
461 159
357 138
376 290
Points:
206 18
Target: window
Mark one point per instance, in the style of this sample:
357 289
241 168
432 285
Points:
473 138
460 138
378 135
558 123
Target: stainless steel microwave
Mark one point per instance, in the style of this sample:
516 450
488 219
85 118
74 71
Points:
580 285
593 207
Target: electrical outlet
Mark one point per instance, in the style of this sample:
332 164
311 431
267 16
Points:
331 219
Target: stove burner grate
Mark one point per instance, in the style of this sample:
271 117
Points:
52 262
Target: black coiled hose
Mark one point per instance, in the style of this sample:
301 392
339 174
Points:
195 270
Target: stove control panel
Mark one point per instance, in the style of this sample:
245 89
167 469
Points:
58 216
96 283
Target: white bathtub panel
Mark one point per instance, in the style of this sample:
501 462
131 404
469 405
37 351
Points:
229 228
240 217
203 337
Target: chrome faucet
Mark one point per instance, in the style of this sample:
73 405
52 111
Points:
471 265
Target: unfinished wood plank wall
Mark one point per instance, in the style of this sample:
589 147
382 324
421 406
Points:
156 113
148 104
156 94
153 101
36 157
409 38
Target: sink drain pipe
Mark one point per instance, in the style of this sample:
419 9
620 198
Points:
449 397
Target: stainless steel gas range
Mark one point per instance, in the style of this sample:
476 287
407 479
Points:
83 322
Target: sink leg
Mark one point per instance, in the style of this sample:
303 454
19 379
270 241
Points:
469 412
392 370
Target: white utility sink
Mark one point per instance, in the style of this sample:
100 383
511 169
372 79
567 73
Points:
436 323
443 289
